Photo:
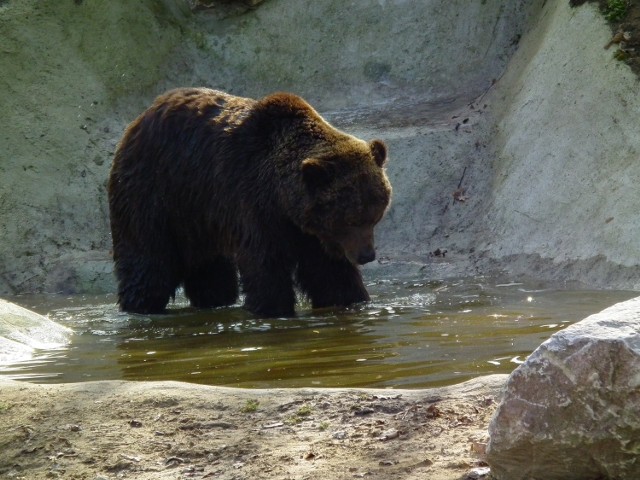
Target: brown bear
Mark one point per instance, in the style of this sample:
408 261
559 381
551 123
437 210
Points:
205 185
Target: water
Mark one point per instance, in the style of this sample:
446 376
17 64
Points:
412 334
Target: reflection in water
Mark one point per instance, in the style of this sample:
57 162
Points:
412 334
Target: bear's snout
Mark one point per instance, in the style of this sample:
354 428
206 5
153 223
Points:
358 245
366 255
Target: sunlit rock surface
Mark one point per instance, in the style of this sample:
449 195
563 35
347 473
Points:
572 410
22 331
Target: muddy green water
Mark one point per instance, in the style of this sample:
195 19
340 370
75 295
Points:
412 334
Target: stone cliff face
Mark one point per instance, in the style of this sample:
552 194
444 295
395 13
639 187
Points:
561 203
513 106
64 66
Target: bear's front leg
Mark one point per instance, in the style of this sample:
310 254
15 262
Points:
268 287
329 281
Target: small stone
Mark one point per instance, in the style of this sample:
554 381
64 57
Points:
340 435
478 473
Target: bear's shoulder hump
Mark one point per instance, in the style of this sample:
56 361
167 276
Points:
286 105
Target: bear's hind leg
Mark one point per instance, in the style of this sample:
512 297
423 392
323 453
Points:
144 286
213 283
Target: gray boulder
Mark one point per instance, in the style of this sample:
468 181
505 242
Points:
23 331
572 410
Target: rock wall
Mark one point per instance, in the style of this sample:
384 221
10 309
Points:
64 66
561 202
484 99
74 73
545 159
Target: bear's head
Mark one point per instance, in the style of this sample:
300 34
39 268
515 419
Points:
348 193
333 185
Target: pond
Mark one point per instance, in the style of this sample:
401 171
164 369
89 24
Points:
413 334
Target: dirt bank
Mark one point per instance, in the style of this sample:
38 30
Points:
169 430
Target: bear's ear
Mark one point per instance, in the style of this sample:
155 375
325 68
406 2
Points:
379 151
316 172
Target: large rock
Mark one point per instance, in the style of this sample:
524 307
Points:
22 331
572 410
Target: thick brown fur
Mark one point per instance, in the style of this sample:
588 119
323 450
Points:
206 184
